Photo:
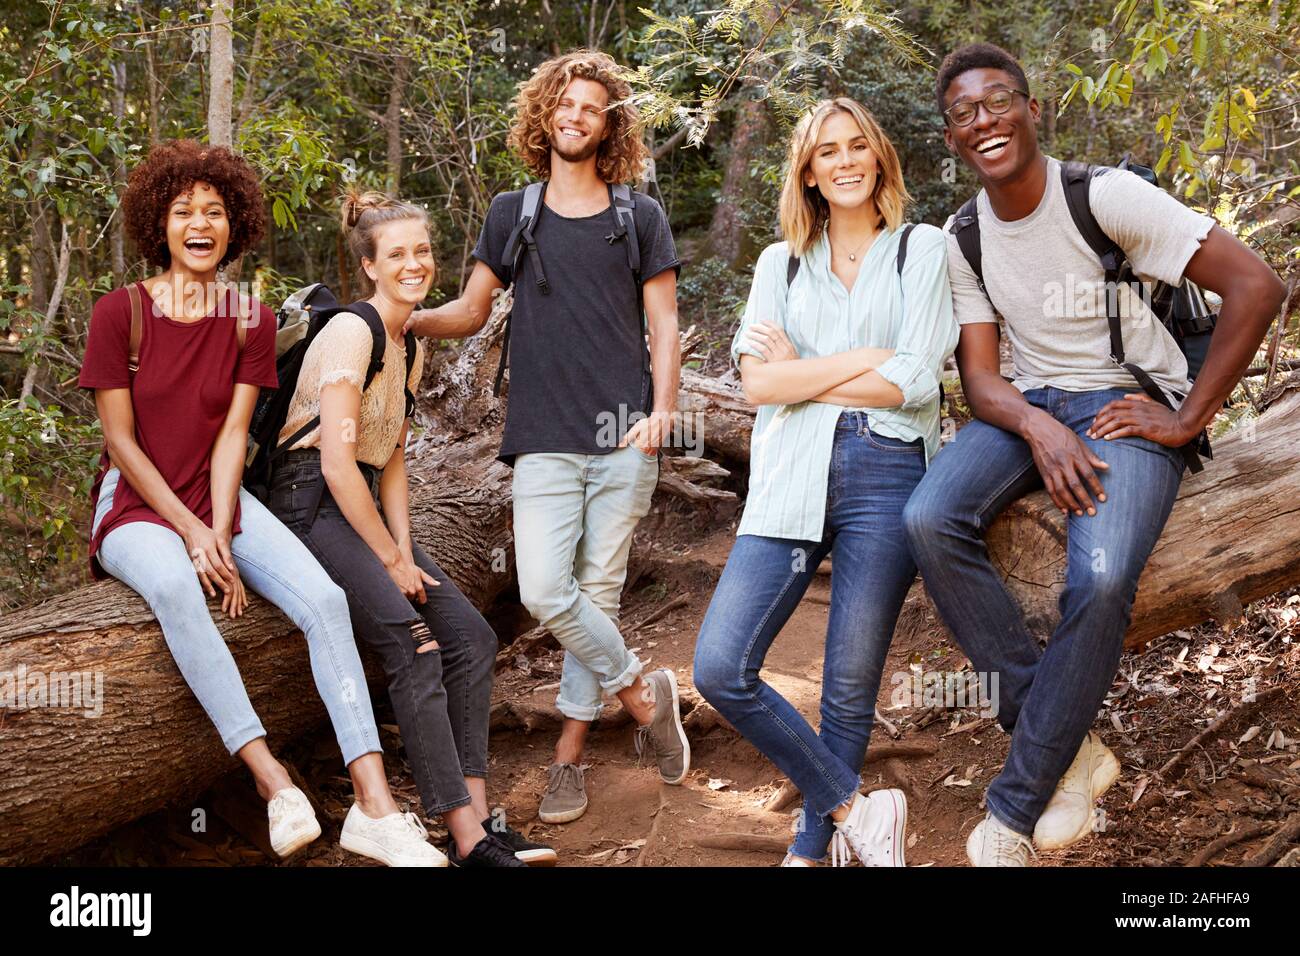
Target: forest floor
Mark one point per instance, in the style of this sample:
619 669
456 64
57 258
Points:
1243 781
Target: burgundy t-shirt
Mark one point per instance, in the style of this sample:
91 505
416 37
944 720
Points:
180 394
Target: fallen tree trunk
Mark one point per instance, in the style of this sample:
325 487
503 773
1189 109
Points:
66 778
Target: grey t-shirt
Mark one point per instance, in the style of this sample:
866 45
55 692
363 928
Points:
1049 287
577 353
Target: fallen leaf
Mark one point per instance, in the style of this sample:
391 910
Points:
1249 735
717 783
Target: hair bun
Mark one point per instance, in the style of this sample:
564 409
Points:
355 204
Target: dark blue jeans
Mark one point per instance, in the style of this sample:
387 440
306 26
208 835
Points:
1047 699
871 477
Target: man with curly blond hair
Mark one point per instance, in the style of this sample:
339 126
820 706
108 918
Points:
588 407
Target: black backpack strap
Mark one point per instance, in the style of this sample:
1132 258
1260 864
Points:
1076 180
902 247
378 337
406 382
966 227
378 334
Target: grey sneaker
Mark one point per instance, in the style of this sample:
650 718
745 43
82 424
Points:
566 795
664 736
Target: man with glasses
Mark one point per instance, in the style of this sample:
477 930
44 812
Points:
1073 421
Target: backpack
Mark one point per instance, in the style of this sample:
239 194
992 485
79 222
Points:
298 321
1182 308
622 203
792 270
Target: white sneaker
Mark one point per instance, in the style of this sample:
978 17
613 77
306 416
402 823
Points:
875 829
992 844
293 821
1071 814
398 839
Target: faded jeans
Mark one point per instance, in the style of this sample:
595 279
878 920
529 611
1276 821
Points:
1048 699
152 560
871 477
574 516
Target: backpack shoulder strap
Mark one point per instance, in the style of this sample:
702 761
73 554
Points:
137 329
410 364
377 336
902 246
1076 180
623 202
521 237
966 227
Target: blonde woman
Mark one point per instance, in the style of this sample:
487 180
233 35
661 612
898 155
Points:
342 488
843 363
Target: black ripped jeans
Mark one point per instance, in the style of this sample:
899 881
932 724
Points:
441 697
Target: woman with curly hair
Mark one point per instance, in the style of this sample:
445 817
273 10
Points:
176 362
588 408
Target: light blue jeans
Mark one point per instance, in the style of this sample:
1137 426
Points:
573 521
152 560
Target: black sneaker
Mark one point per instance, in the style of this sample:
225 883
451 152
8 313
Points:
532 854
488 851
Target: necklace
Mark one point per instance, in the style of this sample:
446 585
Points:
853 256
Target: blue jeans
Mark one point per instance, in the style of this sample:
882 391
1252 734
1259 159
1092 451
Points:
574 516
871 477
151 560
1047 700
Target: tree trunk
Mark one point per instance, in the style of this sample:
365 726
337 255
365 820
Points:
222 68
393 124
151 76
726 231
66 778
118 240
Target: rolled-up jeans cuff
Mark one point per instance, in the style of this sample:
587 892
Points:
625 679
574 711
239 738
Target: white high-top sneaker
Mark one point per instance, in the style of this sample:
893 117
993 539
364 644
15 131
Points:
875 830
792 860
992 844
293 822
398 839
1071 814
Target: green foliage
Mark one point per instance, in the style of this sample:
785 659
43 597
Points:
47 465
711 296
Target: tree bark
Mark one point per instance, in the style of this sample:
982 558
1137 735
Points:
222 68
393 123
726 231
118 240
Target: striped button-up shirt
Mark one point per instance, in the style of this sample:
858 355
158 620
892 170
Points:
790 452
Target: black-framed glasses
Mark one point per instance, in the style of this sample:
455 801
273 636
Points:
997 102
